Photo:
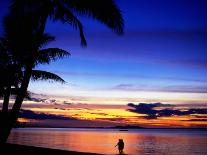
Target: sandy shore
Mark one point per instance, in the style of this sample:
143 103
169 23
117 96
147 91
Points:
31 150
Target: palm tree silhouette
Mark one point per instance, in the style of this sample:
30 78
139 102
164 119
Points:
12 73
12 69
28 21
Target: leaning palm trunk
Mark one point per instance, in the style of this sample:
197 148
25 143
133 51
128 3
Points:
44 56
4 116
8 122
4 119
22 92
6 100
4 129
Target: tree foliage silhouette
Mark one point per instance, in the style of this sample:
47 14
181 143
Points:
12 67
25 27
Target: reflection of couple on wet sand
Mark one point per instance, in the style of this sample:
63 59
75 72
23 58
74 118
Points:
120 145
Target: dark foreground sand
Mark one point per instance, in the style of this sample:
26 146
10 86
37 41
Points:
8 149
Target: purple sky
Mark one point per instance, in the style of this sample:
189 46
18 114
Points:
163 51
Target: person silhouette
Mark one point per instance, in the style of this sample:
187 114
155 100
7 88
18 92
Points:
120 145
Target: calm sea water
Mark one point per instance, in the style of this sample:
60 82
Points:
137 142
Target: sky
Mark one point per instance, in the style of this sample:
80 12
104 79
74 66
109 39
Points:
162 57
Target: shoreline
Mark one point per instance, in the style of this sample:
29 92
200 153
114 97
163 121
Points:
9 148
52 127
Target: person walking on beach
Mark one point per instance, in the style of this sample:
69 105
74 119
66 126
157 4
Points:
120 145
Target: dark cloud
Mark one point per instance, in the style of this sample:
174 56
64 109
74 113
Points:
43 100
166 111
201 117
61 108
96 113
150 105
41 116
67 103
111 119
197 120
36 99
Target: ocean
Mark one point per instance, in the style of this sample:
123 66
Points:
137 141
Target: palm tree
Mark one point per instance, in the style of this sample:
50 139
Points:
30 16
10 72
14 66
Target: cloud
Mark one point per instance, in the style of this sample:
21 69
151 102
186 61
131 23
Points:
41 116
124 86
41 98
201 116
175 88
61 108
67 103
127 75
198 63
36 99
197 120
166 111
101 113
111 119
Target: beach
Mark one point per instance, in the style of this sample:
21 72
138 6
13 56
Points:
31 150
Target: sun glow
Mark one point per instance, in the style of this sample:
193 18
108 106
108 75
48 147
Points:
121 114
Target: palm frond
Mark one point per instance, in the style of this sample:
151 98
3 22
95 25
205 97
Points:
45 56
42 40
44 75
105 11
75 22
62 13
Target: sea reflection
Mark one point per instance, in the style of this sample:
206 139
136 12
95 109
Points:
137 142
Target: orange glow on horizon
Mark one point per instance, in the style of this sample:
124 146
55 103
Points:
122 115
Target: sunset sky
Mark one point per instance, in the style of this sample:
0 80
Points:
162 57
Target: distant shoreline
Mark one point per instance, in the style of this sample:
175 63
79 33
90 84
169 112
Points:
32 150
104 127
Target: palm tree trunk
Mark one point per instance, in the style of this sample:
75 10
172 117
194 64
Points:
6 100
6 127
21 94
8 123
28 72
4 119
